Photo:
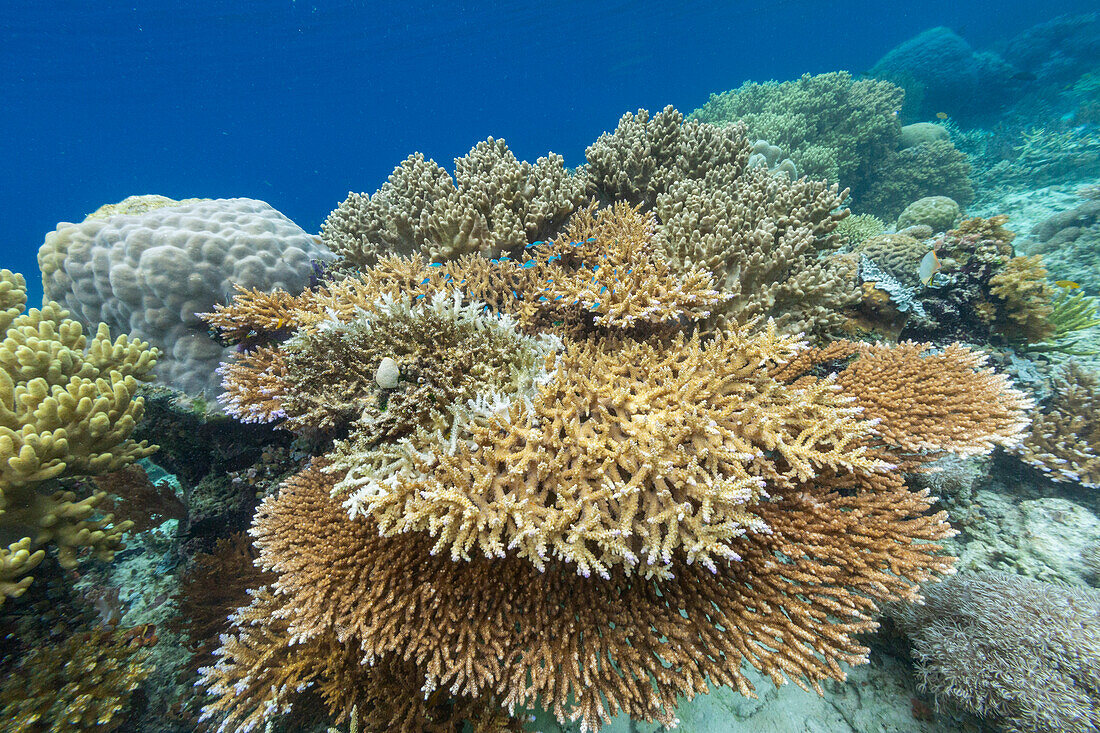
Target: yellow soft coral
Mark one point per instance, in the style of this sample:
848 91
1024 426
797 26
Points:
67 408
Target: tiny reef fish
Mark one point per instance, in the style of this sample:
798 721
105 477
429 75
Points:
929 266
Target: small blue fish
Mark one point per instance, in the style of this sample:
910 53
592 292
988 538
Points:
425 281
419 296
603 289
542 298
595 305
436 264
529 264
590 239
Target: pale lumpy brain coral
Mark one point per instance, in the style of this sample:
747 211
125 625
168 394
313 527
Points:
148 265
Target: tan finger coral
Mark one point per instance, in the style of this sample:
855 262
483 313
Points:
67 408
495 203
1064 440
612 429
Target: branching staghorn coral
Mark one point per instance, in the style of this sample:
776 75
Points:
610 426
81 684
769 265
758 234
646 155
832 532
67 408
275 664
493 204
1064 441
1022 285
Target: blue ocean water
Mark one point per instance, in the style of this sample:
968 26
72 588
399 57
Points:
297 102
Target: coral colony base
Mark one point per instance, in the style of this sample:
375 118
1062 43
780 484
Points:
516 437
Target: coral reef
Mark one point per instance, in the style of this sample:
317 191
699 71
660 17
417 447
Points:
81 684
68 408
148 270
832 126
940 72
933 168
1069 242
606 527
898 255
715 214
1022 285
493 204
1064 440
1020 652
937 212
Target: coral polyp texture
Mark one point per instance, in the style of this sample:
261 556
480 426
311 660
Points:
148 265
571 496
67 408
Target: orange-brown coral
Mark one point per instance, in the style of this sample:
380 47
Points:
836 532
501 629
136 499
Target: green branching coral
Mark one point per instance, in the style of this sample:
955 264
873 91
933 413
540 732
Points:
934 168
832 126
858 228
1072 313
67 408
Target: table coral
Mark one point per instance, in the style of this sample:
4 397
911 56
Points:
67 408
650 508
759 235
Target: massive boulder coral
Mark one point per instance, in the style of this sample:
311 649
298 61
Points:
640 514
148 267
67 408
